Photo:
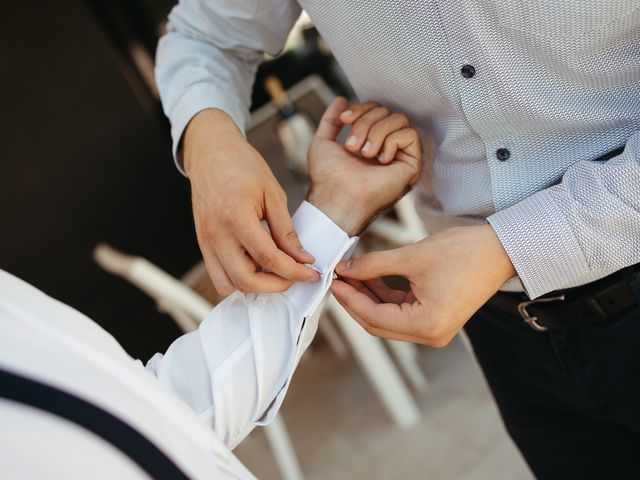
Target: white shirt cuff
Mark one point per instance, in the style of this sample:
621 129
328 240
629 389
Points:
328 244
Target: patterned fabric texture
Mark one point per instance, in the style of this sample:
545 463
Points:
556 85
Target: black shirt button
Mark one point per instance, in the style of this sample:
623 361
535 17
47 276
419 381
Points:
467 71
503 154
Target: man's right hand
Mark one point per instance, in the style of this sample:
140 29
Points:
233 190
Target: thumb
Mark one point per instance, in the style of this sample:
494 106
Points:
284 234
330 123
378 264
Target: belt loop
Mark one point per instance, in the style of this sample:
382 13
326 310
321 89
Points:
631 277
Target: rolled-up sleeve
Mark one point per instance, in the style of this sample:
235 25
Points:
210 53
588 222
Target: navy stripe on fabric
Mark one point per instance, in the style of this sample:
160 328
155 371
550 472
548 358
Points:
74 409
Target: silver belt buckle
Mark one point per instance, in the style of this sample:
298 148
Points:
531 320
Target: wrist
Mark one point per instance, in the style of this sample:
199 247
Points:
339 209
503 265
208 128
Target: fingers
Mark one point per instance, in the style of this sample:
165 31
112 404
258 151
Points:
379 133
378 332
402 319
379 291
266 282
221 282
330 123
357 139
349 117
245 273
407 140
386 294
372 265
262 248
282 231
361 287
219 278
240 270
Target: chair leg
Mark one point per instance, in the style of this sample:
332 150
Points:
331 335
185 322
283 450
378 367
410 219
406 355
466 343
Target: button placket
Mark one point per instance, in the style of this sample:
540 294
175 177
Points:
479 102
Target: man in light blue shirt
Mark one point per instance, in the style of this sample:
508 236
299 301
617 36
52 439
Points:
532 190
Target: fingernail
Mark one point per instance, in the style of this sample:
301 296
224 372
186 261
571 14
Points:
346 114
351 141
312 267
345 265
367 147
381 157
315 273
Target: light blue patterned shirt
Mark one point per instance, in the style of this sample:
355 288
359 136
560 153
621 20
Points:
555 84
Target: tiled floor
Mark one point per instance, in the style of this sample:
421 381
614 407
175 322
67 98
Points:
341 431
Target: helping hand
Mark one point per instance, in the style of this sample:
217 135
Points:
233 190
452 274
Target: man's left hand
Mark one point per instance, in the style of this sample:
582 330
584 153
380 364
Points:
452 274
352 183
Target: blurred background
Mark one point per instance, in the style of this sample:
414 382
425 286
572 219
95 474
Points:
88 161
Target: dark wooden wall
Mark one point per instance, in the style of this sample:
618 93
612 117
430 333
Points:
85 158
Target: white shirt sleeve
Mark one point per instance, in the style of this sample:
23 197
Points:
235 369
210 53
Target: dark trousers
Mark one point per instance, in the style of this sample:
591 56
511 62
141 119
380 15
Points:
570 400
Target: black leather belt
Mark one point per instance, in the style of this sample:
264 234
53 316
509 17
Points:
597 302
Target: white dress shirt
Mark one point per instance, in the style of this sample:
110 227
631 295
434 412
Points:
555 84
229 375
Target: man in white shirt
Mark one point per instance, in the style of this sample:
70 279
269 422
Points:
73 404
